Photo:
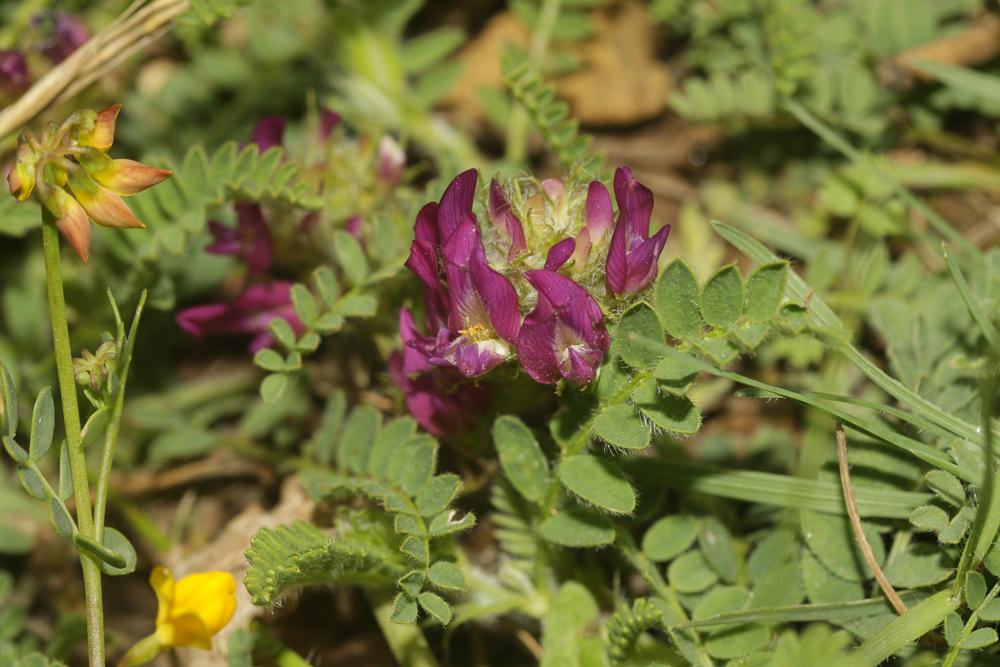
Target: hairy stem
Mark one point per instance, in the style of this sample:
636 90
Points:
859 533
71 420
406 641
517 129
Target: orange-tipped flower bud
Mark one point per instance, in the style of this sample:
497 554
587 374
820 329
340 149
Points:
97 130
127 177
21 177
74 155
103 206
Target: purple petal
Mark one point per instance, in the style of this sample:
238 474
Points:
391 160
642 262
225 240
269 132
328 122
616 266
250 313
198 320
465 307
502 216
580 367
559 254
598 212
635 204
498 295
456 203
414 361
67 35
536 349
353 226
258 250
565 335
13 71
423 262
471 358
572 303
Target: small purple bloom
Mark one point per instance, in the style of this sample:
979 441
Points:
353 226
13 72
67 35
436 397
565 336
633 254
503 217
250 240
250 314
391 160
269 132
472 309
328 122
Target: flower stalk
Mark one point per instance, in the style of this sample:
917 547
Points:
74 443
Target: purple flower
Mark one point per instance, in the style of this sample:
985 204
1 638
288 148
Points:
353 226
471 308
328 122
565 335
391 160
13 72
269 132
503 217
67 35
633 254
250 240
249 314
436 397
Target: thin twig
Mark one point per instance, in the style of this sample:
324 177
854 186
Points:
859 533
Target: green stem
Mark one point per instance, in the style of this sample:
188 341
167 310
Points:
405 640
970 625
125 348
71 419
517 129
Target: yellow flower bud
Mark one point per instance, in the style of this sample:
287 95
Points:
193 609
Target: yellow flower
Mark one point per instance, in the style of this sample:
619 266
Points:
194 609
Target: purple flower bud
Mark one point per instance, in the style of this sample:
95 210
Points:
249 314
13 72
559 254
391 160
269 132
434 396
503 217
553 188
565 336
250 240
328 122
633 254
353 226
67 35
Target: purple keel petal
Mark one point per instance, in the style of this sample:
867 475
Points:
635 204
559 254
456 203
598 212
269 132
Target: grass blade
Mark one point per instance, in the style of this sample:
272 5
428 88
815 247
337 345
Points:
773 489
905 629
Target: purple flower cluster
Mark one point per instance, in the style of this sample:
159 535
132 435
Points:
473 311
263 299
